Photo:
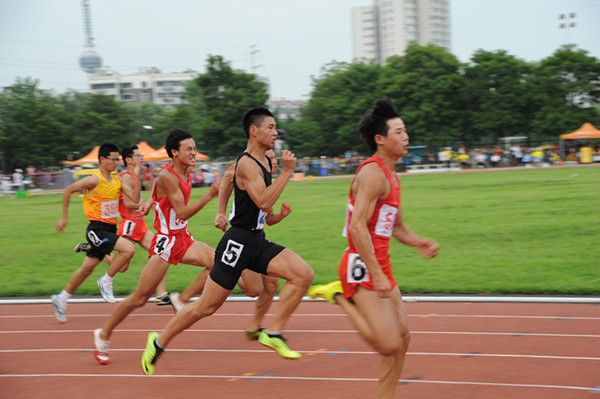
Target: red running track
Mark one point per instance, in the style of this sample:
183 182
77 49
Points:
458 350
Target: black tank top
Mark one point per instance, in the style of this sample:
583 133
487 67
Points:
244 212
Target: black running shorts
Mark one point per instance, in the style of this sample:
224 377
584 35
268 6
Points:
102 238
241 249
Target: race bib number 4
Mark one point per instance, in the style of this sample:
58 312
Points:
357 271
110 209
232 253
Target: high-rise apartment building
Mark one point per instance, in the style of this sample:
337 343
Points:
388 26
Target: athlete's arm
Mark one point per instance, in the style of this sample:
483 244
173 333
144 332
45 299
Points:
224 194
249 178
426 246
87 183
369 185
272 218
131 192
168 184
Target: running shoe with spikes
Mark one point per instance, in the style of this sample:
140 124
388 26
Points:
106 290
163 299
151 354
59 308
176 302
82 247
277 342
326 291
102 346
253 335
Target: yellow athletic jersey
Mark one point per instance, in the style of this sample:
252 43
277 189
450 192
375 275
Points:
102 203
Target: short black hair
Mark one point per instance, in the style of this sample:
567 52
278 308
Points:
106 149
254 117
374 121
128 152
173 139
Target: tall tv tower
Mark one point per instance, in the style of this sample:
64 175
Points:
89 61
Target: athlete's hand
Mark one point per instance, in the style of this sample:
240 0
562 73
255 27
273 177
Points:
145 208
221 222
429 248
286 209
288 160
61 224
382 285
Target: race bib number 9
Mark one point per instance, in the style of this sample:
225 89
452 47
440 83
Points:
357 271
232 253
110 209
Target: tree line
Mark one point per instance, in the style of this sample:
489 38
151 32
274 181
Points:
441 100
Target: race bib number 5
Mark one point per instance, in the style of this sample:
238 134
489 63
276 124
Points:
232 253
357 271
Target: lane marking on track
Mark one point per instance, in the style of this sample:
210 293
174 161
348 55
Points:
425 316
516 333
294 378
312 352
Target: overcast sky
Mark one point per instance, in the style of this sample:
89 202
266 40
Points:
43 39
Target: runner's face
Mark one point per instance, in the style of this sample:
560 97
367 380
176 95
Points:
273 159
111 162
137 158
187 152
266 132
397 137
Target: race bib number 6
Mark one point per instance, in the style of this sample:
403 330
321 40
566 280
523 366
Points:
232 253
357 271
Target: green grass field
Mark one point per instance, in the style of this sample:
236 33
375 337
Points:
534 231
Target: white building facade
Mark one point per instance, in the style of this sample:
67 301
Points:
149 84
388 26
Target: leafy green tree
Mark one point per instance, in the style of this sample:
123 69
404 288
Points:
218 101
340 96
499 96
426 85
567 92
144 119
31 132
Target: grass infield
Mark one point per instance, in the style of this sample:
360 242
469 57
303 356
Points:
533 231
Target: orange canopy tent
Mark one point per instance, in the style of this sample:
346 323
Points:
161 155
145 148
91 157
586 131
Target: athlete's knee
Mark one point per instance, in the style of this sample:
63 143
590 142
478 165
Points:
270 285
394 346
252 291
200 311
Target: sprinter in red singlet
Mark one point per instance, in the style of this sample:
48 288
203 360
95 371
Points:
371 297
172 242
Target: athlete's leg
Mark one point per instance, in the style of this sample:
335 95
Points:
382 322
145 243
125 251
86 268
251 283
211 300
298 275
264 301
199 254
155 270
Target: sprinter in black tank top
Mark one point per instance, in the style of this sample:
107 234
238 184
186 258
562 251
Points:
245 246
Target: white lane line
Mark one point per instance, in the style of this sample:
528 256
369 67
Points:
264 377
313 352
407 298
430 315
516 333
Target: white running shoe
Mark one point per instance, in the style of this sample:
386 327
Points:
106 290
176 302
101 352
59 309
